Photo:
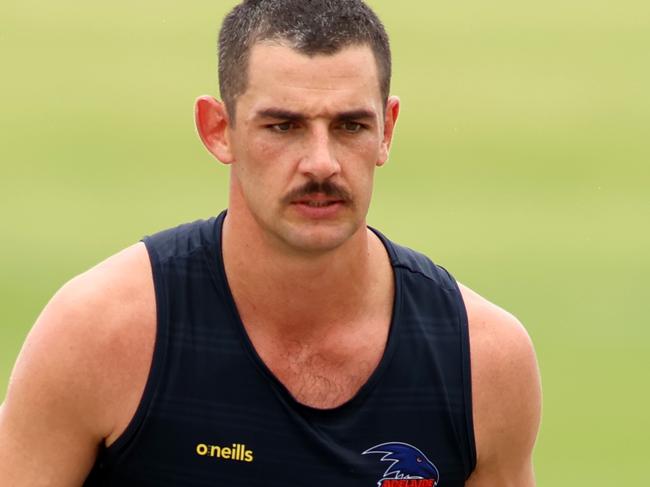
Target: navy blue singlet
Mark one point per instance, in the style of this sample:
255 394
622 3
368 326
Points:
213 414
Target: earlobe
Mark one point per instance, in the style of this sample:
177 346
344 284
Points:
392 112
211 119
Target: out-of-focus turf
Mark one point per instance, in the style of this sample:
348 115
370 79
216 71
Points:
520 164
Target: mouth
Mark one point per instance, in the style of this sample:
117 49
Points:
318 206
318 200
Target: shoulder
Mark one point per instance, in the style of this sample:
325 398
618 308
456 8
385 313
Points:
112 293
506 393
87 357
184 240
494 330
417 263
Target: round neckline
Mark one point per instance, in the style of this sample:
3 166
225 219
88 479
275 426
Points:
221 280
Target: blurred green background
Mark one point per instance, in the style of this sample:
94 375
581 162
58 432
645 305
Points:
520 164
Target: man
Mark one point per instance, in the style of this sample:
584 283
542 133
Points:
285 342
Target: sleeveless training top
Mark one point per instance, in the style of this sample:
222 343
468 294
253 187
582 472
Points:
213 414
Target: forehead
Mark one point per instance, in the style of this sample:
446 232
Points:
281 76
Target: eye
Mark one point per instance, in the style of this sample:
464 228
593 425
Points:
419 460
281 128
352 127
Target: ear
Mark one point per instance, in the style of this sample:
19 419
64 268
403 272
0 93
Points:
212 124
392 112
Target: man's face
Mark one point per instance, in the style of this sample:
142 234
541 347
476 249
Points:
309 133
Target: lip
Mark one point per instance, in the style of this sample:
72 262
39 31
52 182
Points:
325 208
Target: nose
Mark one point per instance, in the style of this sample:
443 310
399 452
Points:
319 160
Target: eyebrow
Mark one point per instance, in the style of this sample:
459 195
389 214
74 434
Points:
282 114
361 114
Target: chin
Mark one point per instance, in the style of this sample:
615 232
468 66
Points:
321 239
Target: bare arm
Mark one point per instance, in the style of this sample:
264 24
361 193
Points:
80 374
506 396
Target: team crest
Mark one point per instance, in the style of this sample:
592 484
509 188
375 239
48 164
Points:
409 467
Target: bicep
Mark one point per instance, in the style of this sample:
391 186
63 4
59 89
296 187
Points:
46 434
80 374
36 451
516 472
506 395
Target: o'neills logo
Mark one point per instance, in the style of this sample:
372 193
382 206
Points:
236 452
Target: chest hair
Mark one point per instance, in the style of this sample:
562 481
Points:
324 376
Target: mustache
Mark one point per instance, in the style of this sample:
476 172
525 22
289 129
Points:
328 188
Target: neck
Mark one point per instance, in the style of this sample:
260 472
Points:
296 292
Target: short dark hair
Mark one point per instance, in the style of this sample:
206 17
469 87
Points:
308 26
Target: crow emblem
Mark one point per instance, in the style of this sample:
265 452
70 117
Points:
409 467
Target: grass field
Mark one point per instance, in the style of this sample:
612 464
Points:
521 164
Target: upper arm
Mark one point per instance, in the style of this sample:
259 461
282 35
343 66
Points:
506 395
60 403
